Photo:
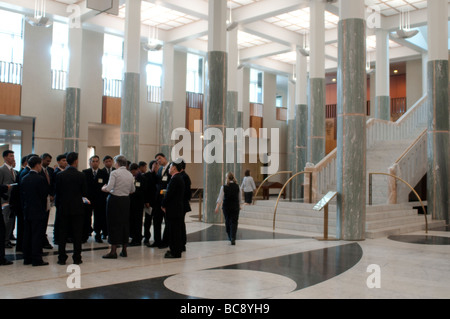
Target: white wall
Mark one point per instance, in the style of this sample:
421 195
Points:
413 82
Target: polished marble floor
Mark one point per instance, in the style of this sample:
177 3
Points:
263 264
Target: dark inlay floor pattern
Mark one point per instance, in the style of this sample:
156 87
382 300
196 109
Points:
306 269
421 239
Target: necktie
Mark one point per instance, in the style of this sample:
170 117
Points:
95 174
46 175
13 174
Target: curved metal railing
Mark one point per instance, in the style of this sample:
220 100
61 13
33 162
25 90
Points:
406 183
281 192
264 181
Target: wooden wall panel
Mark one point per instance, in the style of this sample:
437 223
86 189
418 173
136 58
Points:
10 98
112 107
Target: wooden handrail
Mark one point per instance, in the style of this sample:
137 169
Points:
264 181
411 146
412 189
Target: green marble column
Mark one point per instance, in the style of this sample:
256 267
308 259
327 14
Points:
438 110
301 143
72 120
383 107
438 140
230 122
351 128
166 127
316 120
129 131
214 118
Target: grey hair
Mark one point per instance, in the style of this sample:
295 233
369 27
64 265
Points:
120 160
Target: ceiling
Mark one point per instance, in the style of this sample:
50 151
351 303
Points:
269 30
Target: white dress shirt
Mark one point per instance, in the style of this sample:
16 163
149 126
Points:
121 182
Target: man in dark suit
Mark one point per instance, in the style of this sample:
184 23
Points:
7 177
151 195
62 164
47 173
3 261
161 241
108 163
34 192
70 189
138 199
17 200
173 207
95 179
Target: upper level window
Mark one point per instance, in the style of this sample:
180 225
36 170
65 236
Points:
60 55
11 47
194 80
154 76
113 65
256 86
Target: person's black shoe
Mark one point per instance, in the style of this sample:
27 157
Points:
233 242
5 262
134 243
162 246
27 262
110 256
123 254
98 240
170 255
154 245
8 246
48 246
61 262
42 263
77 262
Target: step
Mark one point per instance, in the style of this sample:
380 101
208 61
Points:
314 230
395 230
391 222
301 219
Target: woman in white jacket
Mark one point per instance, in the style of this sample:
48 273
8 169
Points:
248 186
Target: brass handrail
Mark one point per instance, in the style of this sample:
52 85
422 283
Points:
407 184
282 189
264 181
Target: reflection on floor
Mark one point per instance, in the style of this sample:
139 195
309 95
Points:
263 264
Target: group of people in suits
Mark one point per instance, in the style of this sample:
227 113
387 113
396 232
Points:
117 198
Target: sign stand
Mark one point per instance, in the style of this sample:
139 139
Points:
323 204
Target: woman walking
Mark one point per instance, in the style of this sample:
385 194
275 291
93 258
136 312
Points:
230 199
120 186
248 186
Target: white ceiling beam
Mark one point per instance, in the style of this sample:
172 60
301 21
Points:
263 51
265 9
195 8
188 32
274 33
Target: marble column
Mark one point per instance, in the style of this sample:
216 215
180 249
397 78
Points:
232 101
129 130
166 112
214 117
438 114
73 93
301 120
382 98
316 122
351 122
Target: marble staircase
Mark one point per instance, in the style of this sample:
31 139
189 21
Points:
381 220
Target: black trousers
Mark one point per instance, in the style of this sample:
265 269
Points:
231 222
100 218
32 240
20 225
174 229
147 225
158 217
136 218
70 225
